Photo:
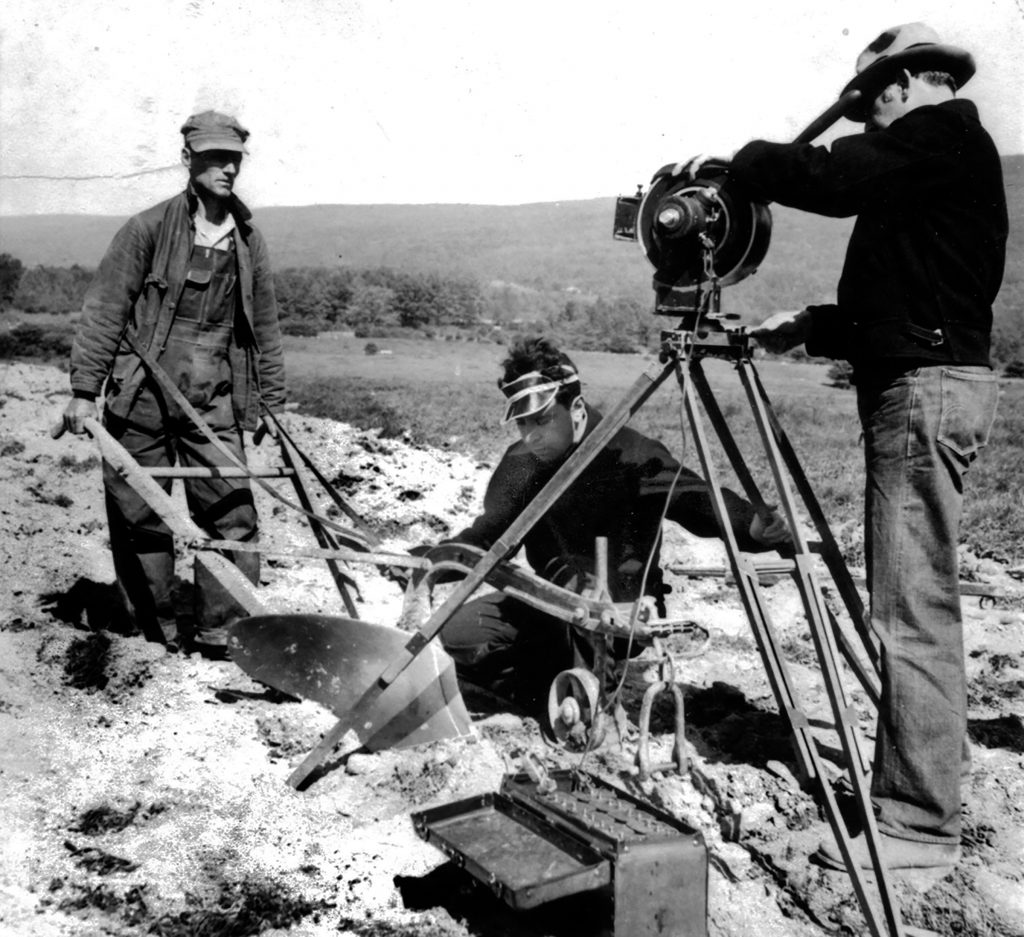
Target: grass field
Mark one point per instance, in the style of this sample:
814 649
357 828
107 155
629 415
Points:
444 394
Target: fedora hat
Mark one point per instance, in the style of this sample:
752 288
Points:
913 46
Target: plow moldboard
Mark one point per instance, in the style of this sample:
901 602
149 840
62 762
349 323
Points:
333 661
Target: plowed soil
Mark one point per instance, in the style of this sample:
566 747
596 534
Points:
145 792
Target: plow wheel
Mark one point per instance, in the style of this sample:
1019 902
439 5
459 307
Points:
574 709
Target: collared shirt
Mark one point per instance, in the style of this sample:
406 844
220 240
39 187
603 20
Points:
212 235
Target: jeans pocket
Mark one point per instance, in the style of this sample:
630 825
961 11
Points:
968 410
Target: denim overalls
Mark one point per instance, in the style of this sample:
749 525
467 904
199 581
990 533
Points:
155 432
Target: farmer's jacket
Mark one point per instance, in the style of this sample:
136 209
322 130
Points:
620 495
136 291
926 256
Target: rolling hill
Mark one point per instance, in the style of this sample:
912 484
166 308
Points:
551 246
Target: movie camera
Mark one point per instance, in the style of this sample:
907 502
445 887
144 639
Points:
700 234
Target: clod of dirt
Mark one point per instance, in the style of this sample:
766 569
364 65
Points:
105 819
287 734
99 860
85 662
239 910
1002 732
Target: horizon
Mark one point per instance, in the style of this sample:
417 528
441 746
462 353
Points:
256 207
447 103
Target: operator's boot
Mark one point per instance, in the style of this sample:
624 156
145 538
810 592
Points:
215 610
144 590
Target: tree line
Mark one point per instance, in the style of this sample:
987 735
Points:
381 301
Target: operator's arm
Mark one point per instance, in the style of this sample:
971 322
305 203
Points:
107 305
690 503
858 170
819 328
506 495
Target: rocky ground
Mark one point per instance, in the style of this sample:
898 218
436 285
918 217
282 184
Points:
146 793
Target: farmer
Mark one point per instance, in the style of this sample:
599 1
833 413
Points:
914 317
185 285
620 495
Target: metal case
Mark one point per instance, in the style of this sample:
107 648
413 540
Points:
532 843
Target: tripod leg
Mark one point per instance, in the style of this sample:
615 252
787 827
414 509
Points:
746 578
830 549
725 436
844 715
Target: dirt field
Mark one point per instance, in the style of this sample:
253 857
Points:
146 793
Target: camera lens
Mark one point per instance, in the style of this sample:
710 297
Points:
680 215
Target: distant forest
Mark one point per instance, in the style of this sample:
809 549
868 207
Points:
382 302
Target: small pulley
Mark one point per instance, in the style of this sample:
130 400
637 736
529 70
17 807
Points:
574 709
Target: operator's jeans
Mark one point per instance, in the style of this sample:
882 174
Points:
922 430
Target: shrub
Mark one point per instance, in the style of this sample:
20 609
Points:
840 374
37 341
1014 369
371 348
301 328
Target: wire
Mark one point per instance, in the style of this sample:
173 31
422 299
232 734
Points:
615 695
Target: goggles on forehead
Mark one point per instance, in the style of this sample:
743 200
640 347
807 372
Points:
533 392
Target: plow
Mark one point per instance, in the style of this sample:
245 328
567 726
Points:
338 661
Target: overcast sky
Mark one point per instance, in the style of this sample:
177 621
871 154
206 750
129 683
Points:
439 100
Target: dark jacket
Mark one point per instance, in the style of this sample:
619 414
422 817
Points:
136 291
926 256
620 495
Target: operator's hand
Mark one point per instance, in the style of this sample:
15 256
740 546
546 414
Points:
693 166
77 412
267 427
783 330
771 530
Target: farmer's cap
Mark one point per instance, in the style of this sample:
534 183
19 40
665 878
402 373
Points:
212 130
535 391
913 46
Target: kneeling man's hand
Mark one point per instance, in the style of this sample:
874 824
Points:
771 529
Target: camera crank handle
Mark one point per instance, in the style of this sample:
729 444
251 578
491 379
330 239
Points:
827 118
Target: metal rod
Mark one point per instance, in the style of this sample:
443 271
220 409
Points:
745 575
213 471
829 549
323 537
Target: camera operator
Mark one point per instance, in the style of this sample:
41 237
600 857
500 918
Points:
497 640
914 317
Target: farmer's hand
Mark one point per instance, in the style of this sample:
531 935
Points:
771 529
782 331
77 412
267 427
692 167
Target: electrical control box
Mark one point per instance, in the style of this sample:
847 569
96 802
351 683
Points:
533 841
